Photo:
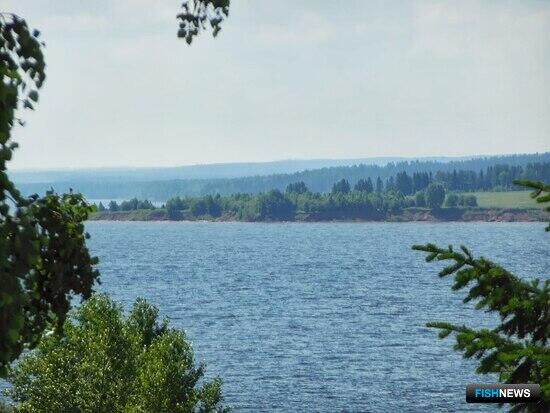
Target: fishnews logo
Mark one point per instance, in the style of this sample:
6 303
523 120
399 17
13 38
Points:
502 393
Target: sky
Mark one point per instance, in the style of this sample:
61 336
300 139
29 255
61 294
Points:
286 80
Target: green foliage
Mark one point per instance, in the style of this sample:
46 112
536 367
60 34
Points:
364 185
420 199
6 408
404 183
276 206
379 185
174 207
273 205
197 15
341 187
43 254
454 200
517 349
467 200
435 195
206 206
110 363
301 204
113 206
297 188
131 205
146 204
317 180
541 193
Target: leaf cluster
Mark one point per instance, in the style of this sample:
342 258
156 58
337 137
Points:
197 15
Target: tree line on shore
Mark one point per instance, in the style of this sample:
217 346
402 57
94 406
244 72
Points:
367 198
364 200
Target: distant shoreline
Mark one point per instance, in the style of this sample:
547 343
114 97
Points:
408 215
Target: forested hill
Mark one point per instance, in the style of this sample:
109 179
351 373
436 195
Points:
206 171
502 170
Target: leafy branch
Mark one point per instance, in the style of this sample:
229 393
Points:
44 260
197 15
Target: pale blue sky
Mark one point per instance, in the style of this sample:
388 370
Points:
287 79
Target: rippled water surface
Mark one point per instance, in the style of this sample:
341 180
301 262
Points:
314 317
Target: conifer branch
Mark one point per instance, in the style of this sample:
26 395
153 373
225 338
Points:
517 349
541 192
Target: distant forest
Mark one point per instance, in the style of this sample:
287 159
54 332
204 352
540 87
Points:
481 174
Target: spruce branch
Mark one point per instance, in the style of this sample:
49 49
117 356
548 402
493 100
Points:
517 349
541 192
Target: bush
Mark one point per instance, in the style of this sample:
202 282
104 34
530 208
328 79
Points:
468 200
110 363
452 200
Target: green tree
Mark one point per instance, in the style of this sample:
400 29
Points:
364 185
297 188
145 204
379 186
435 195
517 349
130 205
273 205
403 183
341 187
43 255
206 205
113 206
174 206
110 363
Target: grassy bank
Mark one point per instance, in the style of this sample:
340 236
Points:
513 199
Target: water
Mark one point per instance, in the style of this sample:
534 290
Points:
314 317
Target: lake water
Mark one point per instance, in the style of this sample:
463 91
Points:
321 317
314 317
